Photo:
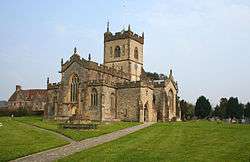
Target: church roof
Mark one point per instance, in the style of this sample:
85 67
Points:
29 95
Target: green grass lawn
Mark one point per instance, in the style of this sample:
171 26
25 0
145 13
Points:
18 139
183 141
103 128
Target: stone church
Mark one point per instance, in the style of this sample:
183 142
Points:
118 89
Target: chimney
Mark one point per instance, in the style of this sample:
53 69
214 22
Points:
18 88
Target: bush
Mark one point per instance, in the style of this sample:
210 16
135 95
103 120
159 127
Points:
5 112
19 112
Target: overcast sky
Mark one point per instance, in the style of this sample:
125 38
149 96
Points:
205 42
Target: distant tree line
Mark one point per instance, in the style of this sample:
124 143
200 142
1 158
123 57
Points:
226 109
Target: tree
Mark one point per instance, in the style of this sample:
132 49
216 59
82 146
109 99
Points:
247 110
234 109
220 110
187 110
202 107
240 111
216 111
155 76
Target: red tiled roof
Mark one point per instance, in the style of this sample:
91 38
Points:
29 95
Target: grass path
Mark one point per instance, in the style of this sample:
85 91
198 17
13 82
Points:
54 154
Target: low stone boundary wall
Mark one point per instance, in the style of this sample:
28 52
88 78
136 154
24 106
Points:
78 126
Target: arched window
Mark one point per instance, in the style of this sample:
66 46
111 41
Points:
74 89
111 52
136 53
171 100
94 97
117 51
154 98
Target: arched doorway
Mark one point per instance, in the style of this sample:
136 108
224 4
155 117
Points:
146 112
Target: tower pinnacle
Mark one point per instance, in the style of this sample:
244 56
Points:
89 58
108 26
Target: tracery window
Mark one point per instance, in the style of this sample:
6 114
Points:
171 100
117 51
74 89
94 97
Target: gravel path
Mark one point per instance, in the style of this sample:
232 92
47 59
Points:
60 152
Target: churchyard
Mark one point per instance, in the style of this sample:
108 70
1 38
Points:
178 141
198 140
22 136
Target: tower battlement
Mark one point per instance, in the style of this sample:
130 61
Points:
127 34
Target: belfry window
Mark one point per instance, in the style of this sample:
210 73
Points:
136 53
117 51
74 89
111 52
94 97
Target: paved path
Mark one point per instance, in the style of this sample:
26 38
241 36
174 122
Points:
60 152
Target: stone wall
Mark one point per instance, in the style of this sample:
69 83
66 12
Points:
159 102
128 104
146 95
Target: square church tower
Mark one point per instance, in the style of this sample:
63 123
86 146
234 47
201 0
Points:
124 51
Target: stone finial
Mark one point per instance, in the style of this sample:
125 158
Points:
75 50
142 34
61 61
129 27
89 58
47 80
171 73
